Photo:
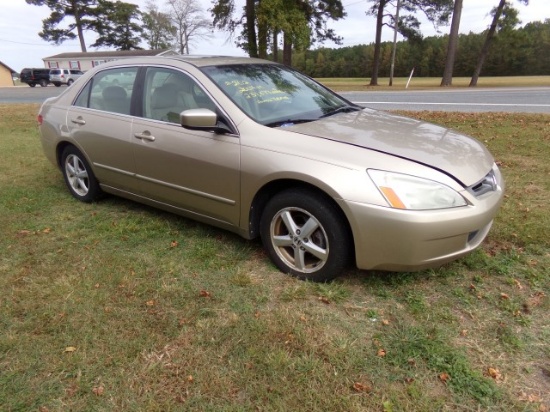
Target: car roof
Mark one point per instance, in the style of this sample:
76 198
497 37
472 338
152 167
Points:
195 60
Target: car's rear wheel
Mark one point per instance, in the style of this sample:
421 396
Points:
78 175
306 235
57 84
43 83
69 82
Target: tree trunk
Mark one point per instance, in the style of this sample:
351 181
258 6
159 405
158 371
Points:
447 79
378 40
287 49
394 48
251 29
78 23
262 40
487 44
275 46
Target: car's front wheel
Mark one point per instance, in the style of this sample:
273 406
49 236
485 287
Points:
32 84
69 82
306 235
78 175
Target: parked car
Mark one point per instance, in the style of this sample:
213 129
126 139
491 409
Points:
64 76
33 76
260 149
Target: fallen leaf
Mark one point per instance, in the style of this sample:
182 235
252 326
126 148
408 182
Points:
362 387
494 373
519 286
150 302
385 322
536 299
174 243
98 390
464 332
529 397
504 296
190 378
204 294
47 230
444 377
381 352
324 300
70 349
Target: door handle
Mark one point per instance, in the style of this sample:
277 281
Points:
79 121
145 136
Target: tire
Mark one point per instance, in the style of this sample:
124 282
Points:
43 83
32 84
57 84
69 82
79 176
306 235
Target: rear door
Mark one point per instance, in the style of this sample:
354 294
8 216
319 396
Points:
100 121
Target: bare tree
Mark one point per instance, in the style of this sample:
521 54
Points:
447 79
188 19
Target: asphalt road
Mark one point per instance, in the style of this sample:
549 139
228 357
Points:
519 100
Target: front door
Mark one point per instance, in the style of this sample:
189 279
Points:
197 171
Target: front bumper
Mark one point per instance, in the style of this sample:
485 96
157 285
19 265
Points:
404 240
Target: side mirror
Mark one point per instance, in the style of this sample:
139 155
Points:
202 119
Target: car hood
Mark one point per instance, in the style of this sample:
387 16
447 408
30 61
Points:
461 157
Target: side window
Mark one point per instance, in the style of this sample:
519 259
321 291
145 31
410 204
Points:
84 97
109 90
168 92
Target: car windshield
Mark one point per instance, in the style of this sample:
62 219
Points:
275 95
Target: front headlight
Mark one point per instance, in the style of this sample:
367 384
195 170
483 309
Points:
410 192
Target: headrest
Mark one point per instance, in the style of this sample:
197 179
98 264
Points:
164 96
114 92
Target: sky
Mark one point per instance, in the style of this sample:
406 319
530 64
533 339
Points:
20 45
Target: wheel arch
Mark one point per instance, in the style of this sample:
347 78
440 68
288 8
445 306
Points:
59 152
61 146
270 189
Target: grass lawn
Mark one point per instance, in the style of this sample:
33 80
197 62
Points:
114 306
433 83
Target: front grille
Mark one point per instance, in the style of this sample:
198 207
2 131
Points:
487 184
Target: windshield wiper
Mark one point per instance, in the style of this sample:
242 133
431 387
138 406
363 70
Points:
288 122
342 109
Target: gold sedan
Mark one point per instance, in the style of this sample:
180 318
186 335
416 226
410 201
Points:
260 149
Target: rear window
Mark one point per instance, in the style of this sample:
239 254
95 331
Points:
55 71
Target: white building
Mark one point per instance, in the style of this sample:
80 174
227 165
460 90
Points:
87 60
